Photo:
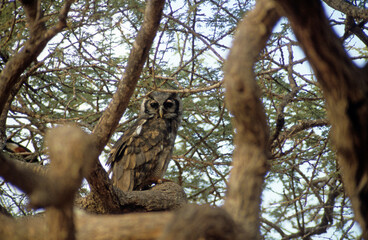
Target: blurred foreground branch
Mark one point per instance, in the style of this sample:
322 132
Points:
252 133
72 154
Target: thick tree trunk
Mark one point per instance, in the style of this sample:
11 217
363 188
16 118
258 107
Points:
345 89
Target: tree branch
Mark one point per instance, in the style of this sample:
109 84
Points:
72 154
348 8
98 180
202 222
301 126
345 88
163 197
90 226
32 47
39 37
143 42
352 27
326 220
280 121
243 100
20 175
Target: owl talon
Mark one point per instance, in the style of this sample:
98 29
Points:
162 180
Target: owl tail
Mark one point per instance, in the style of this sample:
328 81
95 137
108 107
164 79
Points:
124 179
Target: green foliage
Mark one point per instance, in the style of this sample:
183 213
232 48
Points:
75 77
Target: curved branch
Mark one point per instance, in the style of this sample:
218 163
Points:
98 180
280 120
243 99
326 221
202 222
49 187
54 190
39 37
162 197
348 8
301 126
143 42
352 28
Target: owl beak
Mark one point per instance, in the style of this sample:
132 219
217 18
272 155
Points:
161 111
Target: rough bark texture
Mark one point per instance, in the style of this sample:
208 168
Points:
138 55
345 89
162 197
128 226
51 189
252 136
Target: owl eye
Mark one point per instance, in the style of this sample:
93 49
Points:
168 104
154 105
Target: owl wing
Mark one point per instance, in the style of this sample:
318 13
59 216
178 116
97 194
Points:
134 158
124 156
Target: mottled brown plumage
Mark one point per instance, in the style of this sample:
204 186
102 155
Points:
141 156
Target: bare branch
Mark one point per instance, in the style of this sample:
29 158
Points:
243 100
326 220
352 27
98 180
19 175
32 48
162 197
39 37
72 154
348 8
280 121
143 42
91 226
202 222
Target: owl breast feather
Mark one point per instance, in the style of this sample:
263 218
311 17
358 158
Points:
141 156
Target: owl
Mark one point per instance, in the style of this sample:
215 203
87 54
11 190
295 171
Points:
142 154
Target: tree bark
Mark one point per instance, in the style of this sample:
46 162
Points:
191 222
162 197
251 130
344 86
89 226
202 222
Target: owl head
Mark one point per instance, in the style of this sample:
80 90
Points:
161 105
